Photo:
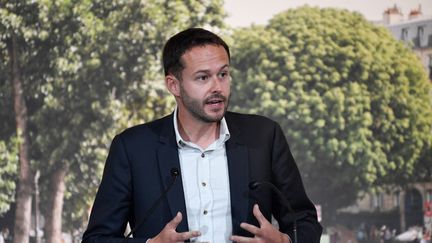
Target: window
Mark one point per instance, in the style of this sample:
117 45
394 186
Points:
377 201
420 36
404 34
429 195
396 201
420 32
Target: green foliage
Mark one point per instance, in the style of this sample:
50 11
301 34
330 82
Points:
353 101
90 69
8 172
128 43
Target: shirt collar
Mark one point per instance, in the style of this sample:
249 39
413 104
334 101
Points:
224 133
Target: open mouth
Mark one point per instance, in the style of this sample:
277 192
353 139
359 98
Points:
215 100
212 102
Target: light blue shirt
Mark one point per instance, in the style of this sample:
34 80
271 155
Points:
206 186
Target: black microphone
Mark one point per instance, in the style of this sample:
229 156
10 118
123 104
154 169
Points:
255 184
174 173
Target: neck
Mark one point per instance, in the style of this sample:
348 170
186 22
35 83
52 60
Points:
198 132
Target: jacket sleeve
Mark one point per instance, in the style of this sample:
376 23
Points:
286 177
110 211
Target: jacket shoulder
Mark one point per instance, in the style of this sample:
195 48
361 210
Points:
149 129
248 119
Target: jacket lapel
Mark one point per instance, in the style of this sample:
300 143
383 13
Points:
238 170
168 160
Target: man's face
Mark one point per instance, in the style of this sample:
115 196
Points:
204 88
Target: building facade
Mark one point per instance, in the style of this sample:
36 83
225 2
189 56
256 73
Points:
415 30
399 208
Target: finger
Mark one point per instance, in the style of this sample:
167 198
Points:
258 215
250 228
187 235
175 221
240 239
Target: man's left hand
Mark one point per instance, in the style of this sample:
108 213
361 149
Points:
266 233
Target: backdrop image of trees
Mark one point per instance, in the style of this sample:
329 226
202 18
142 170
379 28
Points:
77 72
354 103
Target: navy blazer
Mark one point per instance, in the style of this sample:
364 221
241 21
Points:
138 168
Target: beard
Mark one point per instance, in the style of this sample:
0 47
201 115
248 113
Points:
196 107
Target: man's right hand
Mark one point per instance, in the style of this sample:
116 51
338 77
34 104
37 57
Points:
170 235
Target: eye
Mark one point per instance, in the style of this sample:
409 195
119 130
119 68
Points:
224 74
202 77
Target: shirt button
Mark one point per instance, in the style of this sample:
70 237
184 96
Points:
205 212
202 155
203 184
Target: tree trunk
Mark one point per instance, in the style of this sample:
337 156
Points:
53 228
36 207
402 210
25 180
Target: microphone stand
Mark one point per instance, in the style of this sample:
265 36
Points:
174 173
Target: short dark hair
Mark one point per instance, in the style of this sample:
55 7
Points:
183 41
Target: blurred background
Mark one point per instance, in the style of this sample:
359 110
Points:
349 82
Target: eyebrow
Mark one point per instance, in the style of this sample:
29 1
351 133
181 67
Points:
207 70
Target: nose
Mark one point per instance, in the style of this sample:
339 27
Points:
216 84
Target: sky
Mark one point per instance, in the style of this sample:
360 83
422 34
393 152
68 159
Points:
242 13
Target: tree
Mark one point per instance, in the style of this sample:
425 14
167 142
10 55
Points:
131 39
79 60
8 141
14 34
353 101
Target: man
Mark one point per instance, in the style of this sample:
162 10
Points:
218 154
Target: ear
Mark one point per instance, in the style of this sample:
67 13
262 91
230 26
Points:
172 84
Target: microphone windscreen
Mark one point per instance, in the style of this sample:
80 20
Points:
253 185
175 172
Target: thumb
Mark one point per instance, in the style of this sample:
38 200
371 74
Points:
175 221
